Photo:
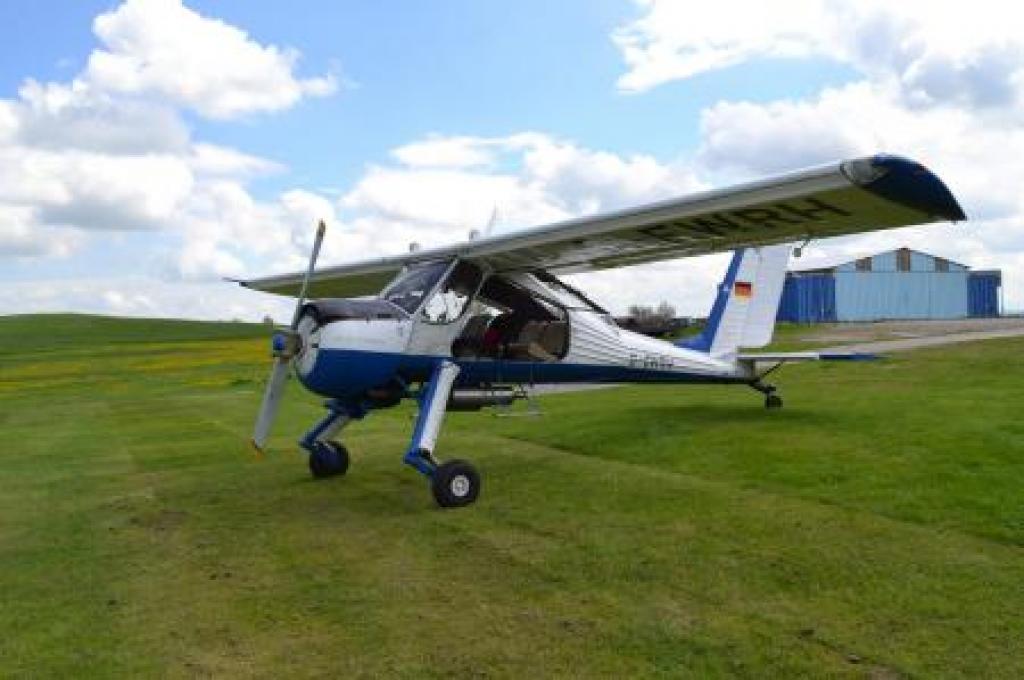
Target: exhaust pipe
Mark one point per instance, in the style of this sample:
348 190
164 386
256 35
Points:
476 399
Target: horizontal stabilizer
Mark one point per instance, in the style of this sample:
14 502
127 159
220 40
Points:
785 357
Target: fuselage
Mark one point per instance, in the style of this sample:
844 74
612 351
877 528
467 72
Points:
347 357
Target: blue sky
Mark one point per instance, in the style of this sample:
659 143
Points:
477 68
626 101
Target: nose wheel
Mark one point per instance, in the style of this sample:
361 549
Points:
328 459
455 484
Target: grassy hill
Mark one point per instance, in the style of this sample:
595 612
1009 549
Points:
40 332
872 528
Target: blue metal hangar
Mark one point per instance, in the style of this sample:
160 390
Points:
898 284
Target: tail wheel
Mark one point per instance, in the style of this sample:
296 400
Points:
773 401
455 484
328 459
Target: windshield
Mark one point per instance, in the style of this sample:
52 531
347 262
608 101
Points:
453 297
408 290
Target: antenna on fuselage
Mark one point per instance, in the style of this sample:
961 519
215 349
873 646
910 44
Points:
476 234
495 215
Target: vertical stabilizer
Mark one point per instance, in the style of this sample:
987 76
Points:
747 302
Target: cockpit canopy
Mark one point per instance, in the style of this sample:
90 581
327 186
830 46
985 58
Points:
535 293
507 315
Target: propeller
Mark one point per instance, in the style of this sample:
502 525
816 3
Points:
286 344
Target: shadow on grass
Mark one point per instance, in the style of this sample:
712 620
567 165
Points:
374 493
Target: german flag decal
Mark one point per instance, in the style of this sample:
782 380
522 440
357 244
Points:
743 289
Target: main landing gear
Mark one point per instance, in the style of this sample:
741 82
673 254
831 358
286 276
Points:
454 483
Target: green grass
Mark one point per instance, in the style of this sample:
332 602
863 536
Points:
37 332
872 528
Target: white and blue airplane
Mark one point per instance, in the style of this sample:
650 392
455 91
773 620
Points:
468 325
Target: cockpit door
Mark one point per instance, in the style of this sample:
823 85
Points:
441 318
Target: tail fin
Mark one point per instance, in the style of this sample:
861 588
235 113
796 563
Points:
748 300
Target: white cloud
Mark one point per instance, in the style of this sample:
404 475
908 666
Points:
588 181
223 231
114 193
139 296
932 49
531 178
982 161
446 152
448 186
160 47
674 40
213 160
61 116
97 154
123 304
425 196
942 83
688 285
22 237
8 121
203 259
92 191
109 150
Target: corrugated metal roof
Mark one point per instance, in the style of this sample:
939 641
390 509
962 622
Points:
821 269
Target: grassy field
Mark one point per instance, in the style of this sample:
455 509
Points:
873 528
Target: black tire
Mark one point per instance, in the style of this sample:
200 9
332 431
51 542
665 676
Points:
456 483
773 401
328 459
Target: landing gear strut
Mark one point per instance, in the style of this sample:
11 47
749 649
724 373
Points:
455 483
771 399
328 457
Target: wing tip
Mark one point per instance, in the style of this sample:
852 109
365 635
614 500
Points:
907 182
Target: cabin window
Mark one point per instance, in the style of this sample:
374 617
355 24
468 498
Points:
566 295
903 260
941 265
450 301
412 286
863 264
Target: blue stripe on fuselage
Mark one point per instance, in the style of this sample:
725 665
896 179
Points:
703 341
344 373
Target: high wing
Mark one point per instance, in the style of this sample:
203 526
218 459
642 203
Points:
865 194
